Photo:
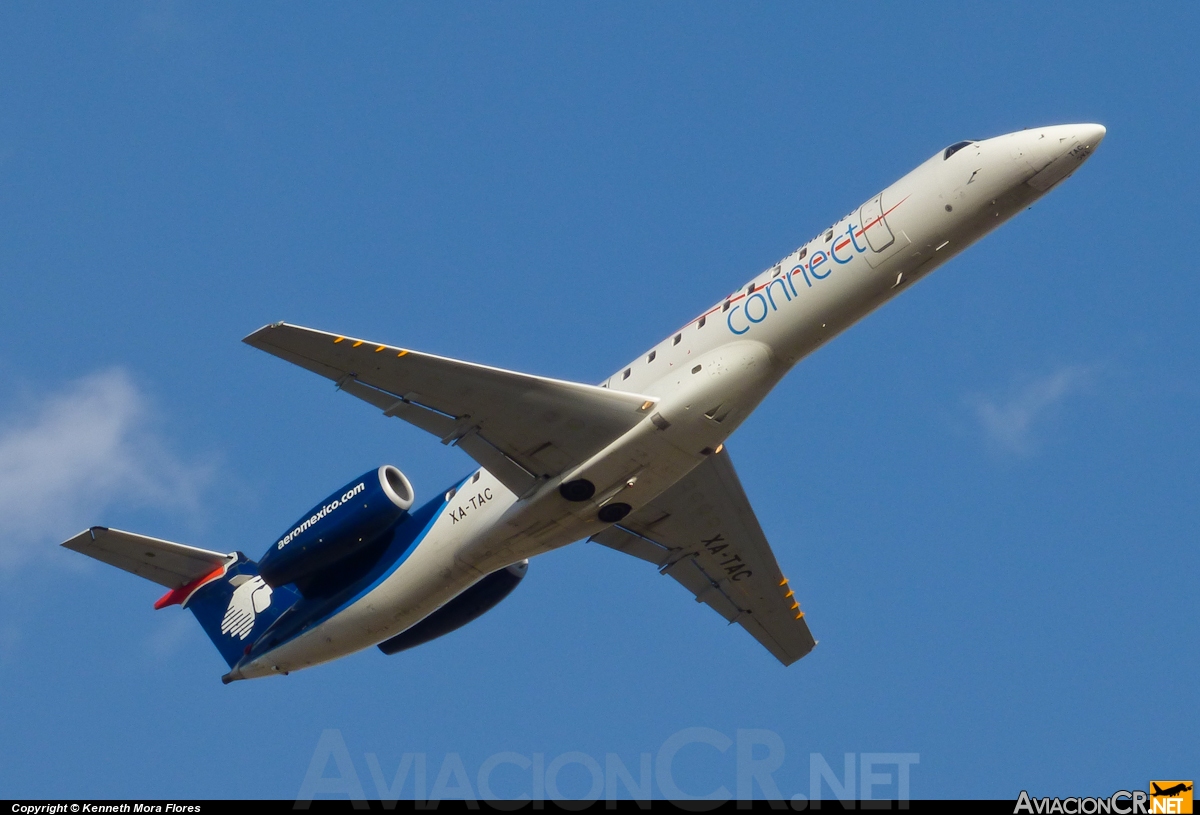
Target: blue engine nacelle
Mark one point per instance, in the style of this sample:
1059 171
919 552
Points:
344 523
470 605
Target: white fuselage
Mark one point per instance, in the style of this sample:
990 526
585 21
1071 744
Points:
709 375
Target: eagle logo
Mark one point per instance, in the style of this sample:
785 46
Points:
251 597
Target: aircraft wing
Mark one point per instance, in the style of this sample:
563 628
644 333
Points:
166 563
522 428
703 533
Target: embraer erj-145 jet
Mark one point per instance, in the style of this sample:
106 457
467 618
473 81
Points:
636 463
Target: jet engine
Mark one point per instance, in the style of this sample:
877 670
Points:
470 605
345 523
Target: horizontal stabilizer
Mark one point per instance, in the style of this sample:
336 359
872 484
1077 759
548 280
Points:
166 563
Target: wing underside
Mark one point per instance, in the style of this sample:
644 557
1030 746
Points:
703 533
524 429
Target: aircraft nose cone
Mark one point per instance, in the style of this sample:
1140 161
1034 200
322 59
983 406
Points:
1053 153
1090 135
1061 140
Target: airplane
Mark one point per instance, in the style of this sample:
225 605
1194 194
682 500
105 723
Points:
636 463
1170 792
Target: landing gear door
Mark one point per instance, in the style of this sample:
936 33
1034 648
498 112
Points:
881 242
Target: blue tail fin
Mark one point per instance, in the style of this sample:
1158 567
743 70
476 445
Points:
237 608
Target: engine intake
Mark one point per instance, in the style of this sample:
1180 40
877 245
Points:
345 523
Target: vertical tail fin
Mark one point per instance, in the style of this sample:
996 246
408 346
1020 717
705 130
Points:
236 608
224 591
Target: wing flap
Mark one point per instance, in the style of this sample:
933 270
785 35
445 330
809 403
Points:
522 428
623 540
703 533
166 563
707 589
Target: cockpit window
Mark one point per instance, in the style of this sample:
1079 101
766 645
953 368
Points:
954 148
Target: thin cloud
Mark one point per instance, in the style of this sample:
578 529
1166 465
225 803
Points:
68 457
1010 423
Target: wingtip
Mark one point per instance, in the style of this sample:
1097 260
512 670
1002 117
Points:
90 532
249 338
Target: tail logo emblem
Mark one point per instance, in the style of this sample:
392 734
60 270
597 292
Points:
251 597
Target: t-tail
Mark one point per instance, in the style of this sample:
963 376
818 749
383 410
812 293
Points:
231 601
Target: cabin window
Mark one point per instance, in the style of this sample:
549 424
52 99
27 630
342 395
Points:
626 374
701 323
829 236
726 306
678 337
750 289
803 252
651 357
954 148
696 370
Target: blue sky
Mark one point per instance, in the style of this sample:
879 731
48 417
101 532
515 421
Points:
986 492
